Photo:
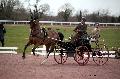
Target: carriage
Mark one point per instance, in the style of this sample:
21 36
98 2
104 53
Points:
81 53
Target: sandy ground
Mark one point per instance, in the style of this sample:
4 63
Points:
14 67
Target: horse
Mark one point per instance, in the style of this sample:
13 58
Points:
41 36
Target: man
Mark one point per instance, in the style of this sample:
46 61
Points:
81 34
82 27
96 32
2 32
80 31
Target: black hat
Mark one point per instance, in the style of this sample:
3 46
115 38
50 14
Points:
83 18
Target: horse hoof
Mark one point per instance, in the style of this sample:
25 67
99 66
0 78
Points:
23 57
34 54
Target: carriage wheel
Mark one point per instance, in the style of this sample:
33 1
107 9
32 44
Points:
100 54
82 55
59 55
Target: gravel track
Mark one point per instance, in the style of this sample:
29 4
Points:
14 67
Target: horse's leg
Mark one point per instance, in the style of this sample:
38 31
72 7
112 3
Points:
47 50
28 44
33 50
51 48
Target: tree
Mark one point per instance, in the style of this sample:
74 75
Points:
39 10
104 14
118 19
60 16
66 11
94 17
85 12
7 8
2 11
113 19
20 14
67 14
44 9
79 16
99 16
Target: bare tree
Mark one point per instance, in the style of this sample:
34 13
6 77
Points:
85 12
100 16
39 10
66 11
20 14
44 9
104 14
7 7
95 17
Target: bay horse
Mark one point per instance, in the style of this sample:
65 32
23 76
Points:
41 36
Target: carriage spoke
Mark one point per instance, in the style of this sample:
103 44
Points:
59 56
102 55
82 55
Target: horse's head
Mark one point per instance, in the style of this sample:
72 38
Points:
34 23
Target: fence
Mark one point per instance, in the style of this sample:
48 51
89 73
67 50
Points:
8 50
58 23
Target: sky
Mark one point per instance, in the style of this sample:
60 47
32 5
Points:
91 5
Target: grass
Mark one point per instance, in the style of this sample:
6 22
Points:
17 35
111 36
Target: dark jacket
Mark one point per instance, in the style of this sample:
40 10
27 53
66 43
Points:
2 32
81 29
81 33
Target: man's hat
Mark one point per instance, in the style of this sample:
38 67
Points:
83 18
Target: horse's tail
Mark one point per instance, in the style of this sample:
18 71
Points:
61 36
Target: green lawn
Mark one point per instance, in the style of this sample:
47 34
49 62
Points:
111 36
17 35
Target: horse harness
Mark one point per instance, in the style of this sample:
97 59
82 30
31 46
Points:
39 33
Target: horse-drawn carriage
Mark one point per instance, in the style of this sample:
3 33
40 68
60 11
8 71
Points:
81 52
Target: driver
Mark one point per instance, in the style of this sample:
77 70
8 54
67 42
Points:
81 33
82 27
